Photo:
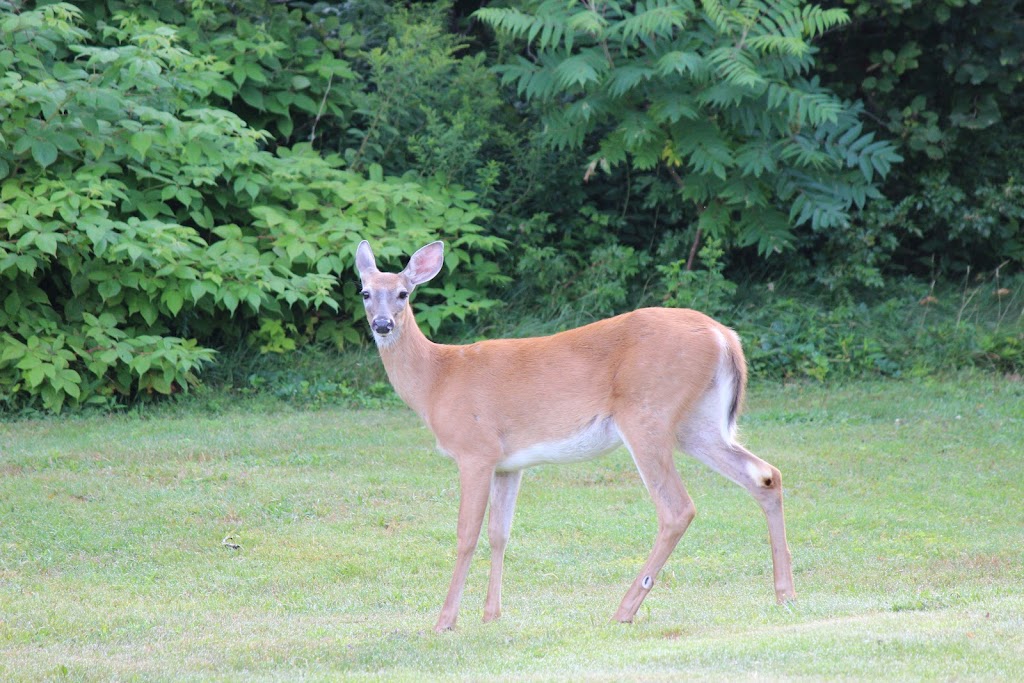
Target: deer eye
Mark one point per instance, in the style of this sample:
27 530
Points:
366 294
403 295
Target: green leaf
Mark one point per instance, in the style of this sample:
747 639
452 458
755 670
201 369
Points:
23 145
626 78
148 312
14 349
47 243
252 95
173 300
70 381
286 126
682 63
108 289
141 142
577 70
230 301
255 72
35 376
44 152
28 362
26 264
669 107
142 363
162 383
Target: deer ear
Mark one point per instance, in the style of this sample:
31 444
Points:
365 263
425 264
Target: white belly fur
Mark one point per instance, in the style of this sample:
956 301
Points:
595 440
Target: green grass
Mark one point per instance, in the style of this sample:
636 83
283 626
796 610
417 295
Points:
903 506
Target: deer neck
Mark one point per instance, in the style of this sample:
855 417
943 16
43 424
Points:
411 361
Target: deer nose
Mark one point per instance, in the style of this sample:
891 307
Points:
382 325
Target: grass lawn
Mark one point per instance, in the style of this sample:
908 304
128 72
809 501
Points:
905 511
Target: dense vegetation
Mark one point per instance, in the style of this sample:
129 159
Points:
182 184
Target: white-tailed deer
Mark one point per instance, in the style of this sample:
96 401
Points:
654 380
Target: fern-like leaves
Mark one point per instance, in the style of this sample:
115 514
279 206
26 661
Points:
718 93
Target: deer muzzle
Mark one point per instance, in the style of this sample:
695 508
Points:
382 325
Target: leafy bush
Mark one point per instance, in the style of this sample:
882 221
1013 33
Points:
719 98
430 106
289 71
570 272
919 332
311 376
706 290
177 178
946 80
142 226
798 339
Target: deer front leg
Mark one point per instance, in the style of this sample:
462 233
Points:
504 489
474 485
653 457
674 515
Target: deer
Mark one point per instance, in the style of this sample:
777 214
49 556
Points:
655 380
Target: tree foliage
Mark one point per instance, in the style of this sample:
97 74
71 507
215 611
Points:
142 225
719 97
182 178
946 82
287 71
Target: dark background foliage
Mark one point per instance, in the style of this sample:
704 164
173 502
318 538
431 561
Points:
182 184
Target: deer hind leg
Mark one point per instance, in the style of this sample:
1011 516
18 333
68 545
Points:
504 490
653 457
762 480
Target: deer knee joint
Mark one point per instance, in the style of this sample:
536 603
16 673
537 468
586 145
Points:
647 583
764 475
675 522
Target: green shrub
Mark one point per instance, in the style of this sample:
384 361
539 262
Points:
923 331
288 70
141 226
704 289
719 98
574 271
944 78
